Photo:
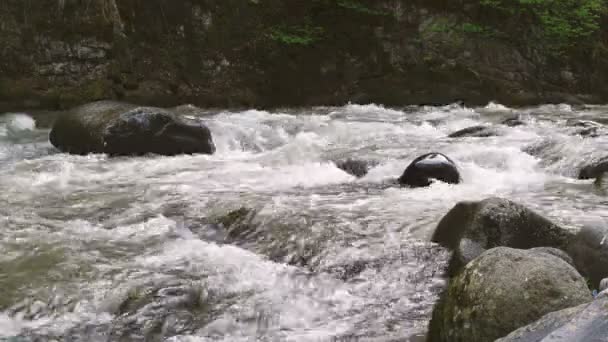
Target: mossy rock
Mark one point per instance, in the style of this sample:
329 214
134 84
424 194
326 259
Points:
502 290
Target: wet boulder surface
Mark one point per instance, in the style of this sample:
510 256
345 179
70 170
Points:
504 289
428 167
123 129
471 227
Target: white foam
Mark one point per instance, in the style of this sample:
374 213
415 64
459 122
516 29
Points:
19 123
496 107
9 326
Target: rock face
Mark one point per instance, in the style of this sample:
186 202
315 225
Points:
470 228
502 290
250 53
123 129
476 132
431 166
587 322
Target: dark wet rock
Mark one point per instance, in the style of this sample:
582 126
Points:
470 228
123 129
355 167
502 290
594 169
475 132
427 167
589 250
586 322
513 122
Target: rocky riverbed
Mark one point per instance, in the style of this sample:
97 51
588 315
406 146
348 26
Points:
268 238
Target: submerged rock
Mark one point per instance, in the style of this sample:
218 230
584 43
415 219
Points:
594 169
504 289
541 148
513 122
586 128
357 168
476 132
123 129
470 228
427 167
586 322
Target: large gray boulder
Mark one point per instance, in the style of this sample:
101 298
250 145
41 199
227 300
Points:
586 322
502 290
472 227
124 129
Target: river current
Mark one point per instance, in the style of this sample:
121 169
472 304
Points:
139 249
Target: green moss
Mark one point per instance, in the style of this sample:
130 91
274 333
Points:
297 35
440 27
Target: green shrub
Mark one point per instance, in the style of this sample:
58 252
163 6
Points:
564 23
359 7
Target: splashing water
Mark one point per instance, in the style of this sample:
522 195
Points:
267 239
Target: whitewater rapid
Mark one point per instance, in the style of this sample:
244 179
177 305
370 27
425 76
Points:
323 255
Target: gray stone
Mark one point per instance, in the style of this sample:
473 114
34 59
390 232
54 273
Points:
502 290
473 227
585 323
